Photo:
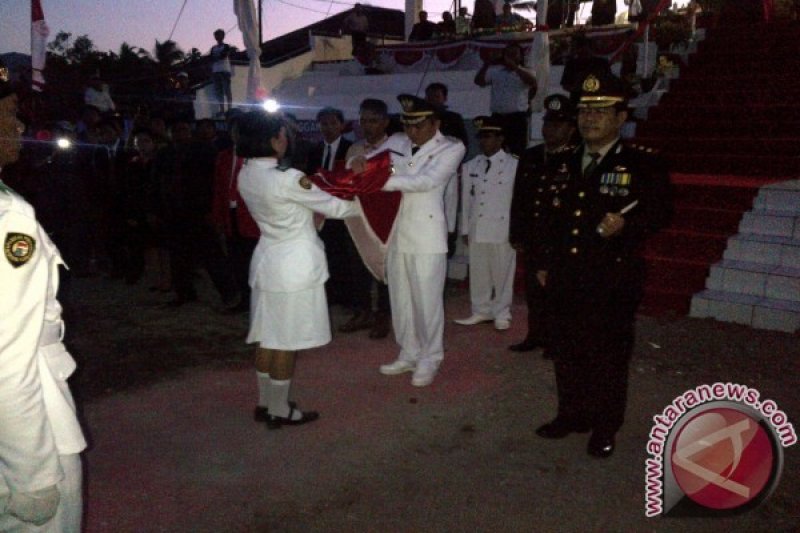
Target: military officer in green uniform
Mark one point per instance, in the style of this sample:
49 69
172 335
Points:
617 194
542 177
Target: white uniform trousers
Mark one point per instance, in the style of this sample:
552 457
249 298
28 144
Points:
70 506
416 292
491 270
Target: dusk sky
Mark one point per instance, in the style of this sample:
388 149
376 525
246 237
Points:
110 22
139 23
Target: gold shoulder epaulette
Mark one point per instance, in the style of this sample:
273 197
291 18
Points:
565 148
643 148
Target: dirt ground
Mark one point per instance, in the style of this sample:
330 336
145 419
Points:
166 396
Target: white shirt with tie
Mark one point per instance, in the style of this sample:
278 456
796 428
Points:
488 185
329 153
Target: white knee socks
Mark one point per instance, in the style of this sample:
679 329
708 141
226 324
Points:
263 388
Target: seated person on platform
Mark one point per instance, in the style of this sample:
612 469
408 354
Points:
447 27
508 19
422 30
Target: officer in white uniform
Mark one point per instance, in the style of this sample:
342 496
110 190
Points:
424 161
40 438
486 203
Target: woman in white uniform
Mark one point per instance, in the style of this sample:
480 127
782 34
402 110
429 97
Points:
289 311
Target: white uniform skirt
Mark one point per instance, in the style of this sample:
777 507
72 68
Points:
289 320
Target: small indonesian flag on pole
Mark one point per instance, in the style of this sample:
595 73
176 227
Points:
39 33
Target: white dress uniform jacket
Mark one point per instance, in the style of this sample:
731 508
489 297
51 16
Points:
37 413
289 257
486 197
421 225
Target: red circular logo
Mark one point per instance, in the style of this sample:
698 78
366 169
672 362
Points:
722 458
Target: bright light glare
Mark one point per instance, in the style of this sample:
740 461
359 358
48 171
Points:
63 143
271 105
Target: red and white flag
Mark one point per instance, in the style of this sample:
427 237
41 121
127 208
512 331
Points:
39 33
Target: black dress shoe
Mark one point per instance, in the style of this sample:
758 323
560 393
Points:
559 428
277 422
601 445
261 414
357 322
528 345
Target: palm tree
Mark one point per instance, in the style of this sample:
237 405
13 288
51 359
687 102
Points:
166 55
131 54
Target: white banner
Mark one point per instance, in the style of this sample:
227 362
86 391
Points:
248 24
39 33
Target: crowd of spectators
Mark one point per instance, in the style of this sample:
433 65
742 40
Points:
134 197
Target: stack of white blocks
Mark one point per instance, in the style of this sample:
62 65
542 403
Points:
758 280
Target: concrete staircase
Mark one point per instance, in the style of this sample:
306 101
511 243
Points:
757 282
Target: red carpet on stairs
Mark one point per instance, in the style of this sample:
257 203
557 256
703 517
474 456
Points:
728 126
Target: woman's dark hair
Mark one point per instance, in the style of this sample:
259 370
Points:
256 131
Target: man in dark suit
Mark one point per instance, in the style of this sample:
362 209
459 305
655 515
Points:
185 174
617 194
542 177
338 244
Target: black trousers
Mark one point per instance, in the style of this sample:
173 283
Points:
361 280
591 318
197 244
592 381
536 300
339 252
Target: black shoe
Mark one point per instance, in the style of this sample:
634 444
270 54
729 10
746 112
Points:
261 414
360 320
601 445
276 422
180 300
528 345
559 428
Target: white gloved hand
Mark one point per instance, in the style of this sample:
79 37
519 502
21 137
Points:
36 507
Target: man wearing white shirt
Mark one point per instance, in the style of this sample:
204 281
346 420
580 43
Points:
97 95
221 70
488 183
424 161
512 87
